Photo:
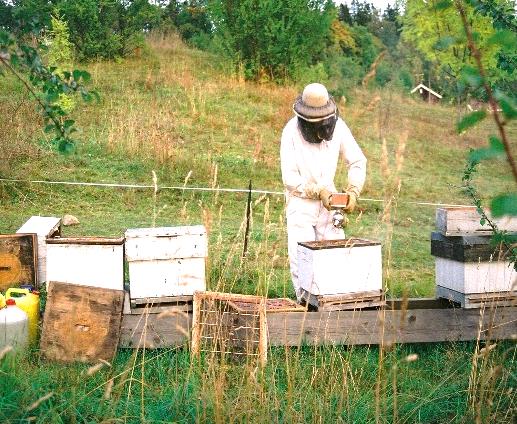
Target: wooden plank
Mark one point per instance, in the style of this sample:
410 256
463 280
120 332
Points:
436 321
164 299
81 323
151 331
387 326
18 260
457 221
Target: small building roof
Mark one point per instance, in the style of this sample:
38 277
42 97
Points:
434 93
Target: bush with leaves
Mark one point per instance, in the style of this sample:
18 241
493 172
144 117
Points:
45 84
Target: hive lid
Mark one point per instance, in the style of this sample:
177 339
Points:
87 240
343 243
166 231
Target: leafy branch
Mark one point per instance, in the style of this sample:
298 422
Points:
45 84
504 204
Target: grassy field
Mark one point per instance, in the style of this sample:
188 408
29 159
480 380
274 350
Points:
180 113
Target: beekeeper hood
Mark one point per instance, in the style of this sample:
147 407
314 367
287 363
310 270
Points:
317 113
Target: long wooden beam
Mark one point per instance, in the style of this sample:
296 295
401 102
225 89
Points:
424 320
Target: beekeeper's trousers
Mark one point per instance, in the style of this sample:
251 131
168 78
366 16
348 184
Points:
307 220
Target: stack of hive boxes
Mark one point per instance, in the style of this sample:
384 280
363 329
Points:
470 270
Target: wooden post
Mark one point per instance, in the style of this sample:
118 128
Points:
247 232
196 329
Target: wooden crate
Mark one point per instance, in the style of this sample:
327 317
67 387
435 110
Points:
343 302
458 221
478 300
18 260
340 266
44 227
81 323
227 325
167 261
88 261
470 264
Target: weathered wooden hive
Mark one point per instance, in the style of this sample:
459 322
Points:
166 261
341 274
18 260
86 261
470 270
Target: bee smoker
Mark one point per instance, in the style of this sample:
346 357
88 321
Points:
338 203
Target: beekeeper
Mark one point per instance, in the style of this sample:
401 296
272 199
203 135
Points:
311 144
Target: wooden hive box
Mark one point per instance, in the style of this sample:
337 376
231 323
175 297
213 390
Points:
44 227
87 261
461 221
18 260
166 261
468 265
340 266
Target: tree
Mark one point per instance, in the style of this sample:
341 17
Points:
437 33
270 37
344 14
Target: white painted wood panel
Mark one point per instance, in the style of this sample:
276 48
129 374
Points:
475 277
88 265
43 227
456 221
340 270
166 277
166 247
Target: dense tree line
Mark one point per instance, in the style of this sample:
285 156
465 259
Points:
292 39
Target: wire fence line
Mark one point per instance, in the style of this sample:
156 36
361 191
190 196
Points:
205 189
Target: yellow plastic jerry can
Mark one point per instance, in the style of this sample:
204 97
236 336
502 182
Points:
2 301
28 302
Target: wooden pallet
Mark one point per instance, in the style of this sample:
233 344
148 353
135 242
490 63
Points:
478 300
346 301
156 305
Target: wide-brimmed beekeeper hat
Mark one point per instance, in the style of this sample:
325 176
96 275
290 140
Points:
315 103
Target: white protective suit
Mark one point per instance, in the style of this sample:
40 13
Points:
306 168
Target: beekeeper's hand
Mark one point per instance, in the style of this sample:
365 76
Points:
352 202
326 198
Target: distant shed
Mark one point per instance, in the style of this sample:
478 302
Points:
427 94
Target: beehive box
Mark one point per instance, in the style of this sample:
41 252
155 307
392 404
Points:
340 266
44 227
465 220
87 261
166 261
470 264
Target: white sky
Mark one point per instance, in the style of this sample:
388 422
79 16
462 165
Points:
379 4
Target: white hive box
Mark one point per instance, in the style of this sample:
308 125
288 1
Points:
465 220
86 261
44 227
469 264
340 266
166 261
